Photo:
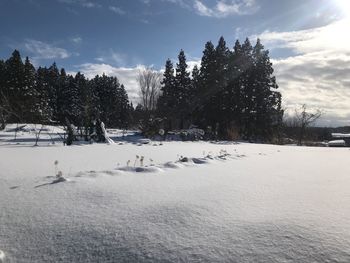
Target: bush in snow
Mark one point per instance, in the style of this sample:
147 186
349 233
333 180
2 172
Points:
151 127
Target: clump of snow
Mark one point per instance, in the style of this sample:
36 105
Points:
2 256
341 135
336 143
108 140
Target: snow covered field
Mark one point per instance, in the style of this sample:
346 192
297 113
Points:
227 203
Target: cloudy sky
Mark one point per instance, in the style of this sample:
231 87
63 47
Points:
308 40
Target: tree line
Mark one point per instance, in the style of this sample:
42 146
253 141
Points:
51 96
233 92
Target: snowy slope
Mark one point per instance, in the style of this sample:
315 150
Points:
260 203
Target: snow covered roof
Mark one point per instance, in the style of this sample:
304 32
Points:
341 135
336 143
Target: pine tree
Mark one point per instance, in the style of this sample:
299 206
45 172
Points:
207 87
195 80
70 107
267 100
183 90
54 80
87 103
234 91
62 94
167 101
3 99
113 102
45 112
15 85
30 94
247 91
124 108
220 101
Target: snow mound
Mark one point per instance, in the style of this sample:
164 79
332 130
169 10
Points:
144 141
146 169
2 256
172 165
183 162
336 143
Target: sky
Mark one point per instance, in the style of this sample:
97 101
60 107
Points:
308 40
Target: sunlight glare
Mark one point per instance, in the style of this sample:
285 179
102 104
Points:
344 5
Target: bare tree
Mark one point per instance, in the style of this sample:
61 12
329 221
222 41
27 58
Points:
149 83
303 119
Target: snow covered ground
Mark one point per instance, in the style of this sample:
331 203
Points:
224 202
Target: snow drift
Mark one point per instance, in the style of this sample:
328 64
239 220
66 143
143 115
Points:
188 202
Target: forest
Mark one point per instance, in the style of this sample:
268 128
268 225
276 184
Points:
233 93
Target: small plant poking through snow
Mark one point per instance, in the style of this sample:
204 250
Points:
183 159
223 153
151 161
56 169
141 160
137 157
128 163
209 155
59 174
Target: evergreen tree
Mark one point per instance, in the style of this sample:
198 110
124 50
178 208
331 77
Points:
61 90
124 108
219 105
14 85
267 105
234 90
247 91
207 87
54 81
113 103
195 80
167 101
45 112
183 90
88 102
30 104
3 99
71 101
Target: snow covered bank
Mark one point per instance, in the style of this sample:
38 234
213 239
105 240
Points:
261 203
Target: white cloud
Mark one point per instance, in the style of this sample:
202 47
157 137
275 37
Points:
145 21
83 3
112 57
126 76
117 10
76 40
318 73
202 9
192 63
224 8
42 50
181 3
330 37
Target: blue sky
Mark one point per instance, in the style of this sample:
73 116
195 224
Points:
119 37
